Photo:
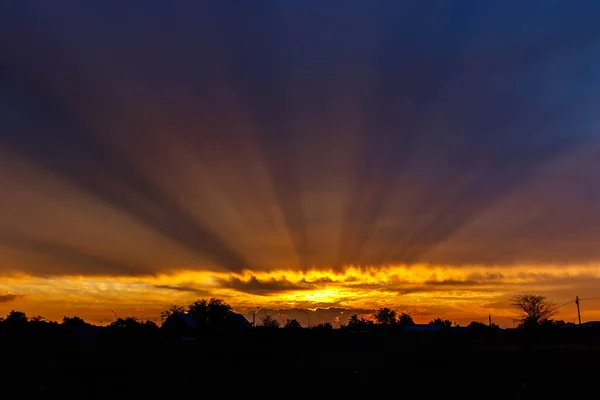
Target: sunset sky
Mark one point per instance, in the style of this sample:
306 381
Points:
335 157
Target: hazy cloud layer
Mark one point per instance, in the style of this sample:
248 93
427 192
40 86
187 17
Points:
296 135
271 286
186 289
7 298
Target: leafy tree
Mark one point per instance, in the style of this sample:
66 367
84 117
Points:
533 309
445 323
213 314
170 311
553 323
128 323
73 322
38 320
405 319
119 324
132 323
150 325
270 322
16 318
481 330
292 324
385 316
476 325
355 321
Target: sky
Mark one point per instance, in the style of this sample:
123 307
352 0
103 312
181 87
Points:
299 158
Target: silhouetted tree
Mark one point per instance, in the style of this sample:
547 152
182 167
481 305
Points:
324 326
38 321
385 316
405 319
445 323
533 309
213 314
73 322
176 326
479 330
356 322
170 311
16 318
553 323
119 324
476 325
150 325
132 323
270 322
292 324
128 323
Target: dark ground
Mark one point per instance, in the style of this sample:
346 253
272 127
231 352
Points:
298 365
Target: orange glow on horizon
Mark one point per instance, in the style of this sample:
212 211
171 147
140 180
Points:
459 293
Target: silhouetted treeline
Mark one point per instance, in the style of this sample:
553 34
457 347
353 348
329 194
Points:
214 317
202 347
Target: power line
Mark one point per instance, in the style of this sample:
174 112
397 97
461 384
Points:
562 305
578 300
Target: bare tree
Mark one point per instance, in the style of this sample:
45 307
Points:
533 309
270 322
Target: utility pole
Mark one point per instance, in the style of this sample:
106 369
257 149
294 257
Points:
490 319
578 313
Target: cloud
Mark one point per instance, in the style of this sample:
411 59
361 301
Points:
187 289
7 298
451 283
266 287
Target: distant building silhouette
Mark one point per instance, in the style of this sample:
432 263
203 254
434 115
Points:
187 320
589 324
241 321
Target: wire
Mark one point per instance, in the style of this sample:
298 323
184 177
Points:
562 305
591 298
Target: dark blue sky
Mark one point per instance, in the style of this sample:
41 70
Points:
299 133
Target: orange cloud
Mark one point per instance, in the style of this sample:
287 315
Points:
464 293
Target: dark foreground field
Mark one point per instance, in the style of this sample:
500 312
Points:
299 365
